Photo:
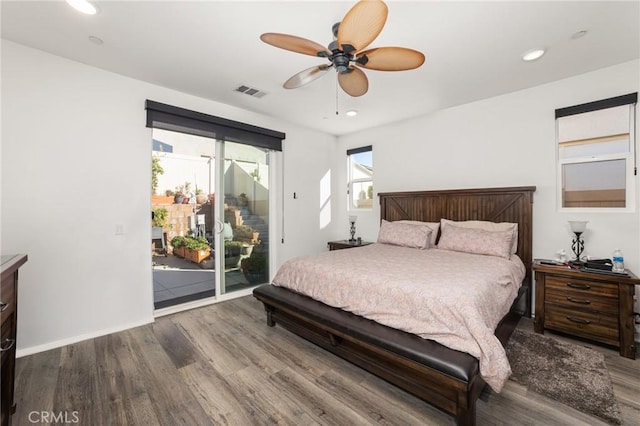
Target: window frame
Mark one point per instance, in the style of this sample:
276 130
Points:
351 181
629 157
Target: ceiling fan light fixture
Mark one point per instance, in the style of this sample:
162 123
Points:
83 6
532 55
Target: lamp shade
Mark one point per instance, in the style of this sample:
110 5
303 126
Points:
578 226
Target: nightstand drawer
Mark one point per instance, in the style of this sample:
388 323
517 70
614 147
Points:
591 325
583 300
586 287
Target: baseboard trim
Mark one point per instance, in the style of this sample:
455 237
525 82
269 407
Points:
75 339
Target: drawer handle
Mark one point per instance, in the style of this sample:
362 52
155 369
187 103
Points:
578 320
579 286
3 306
7 344
582 302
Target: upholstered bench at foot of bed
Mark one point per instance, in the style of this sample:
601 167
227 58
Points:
445 378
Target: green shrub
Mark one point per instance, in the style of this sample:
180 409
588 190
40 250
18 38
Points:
196 243
178 241
160 216
256 263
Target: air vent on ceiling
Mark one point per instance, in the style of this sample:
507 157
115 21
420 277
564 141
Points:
256 93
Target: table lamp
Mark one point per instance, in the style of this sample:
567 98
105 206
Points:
577 244
352 221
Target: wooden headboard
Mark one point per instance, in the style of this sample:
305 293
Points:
513 205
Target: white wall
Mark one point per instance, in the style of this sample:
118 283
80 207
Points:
507 140
75 164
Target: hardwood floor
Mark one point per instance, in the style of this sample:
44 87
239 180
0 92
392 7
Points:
222 365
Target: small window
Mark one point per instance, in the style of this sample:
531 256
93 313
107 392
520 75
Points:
360 188
596 154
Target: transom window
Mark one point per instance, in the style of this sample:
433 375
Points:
360 186
596 154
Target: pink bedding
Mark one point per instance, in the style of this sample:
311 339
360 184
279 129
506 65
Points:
456 299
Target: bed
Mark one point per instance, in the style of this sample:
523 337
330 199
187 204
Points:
448 379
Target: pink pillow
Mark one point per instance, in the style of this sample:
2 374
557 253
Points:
487 226
404 234
476 241
434 226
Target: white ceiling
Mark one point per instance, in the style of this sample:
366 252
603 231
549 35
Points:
208 48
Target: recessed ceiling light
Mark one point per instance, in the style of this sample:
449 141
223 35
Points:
579 34
83 6
532 55
96 40
352 113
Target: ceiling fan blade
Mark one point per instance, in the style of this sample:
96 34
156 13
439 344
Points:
306 76
391 59
355 82
294 44
362 24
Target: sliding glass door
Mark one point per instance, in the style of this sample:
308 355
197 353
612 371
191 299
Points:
194 230
229 227
244 180
183 217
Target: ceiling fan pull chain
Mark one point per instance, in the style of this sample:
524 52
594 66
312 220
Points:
336 94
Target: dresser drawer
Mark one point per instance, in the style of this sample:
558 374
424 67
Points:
587 324
8 338
587 288
8 298
583 300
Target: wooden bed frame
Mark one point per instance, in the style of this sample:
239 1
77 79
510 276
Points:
448 379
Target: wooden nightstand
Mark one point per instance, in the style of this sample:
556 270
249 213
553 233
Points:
589 305
345 244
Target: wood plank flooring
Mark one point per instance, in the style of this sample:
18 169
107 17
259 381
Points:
222 365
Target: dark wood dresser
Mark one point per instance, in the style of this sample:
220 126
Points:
588 305
9 313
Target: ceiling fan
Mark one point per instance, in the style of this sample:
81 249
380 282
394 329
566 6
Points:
359 27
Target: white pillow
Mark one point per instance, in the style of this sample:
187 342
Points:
487 226
434 226
404 234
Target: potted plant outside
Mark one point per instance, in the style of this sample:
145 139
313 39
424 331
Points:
255 267
246 234
187 193
179 194
201 198
178 243
196 249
